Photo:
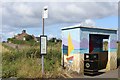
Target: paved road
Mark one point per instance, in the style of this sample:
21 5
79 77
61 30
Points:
109 74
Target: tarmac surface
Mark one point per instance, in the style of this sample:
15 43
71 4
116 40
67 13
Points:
109 74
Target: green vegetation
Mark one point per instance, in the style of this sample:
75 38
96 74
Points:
55 40
29 38
7 47
29 42
26 63
105 45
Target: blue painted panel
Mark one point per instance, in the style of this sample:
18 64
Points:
65 49
84 42
99 31
113 43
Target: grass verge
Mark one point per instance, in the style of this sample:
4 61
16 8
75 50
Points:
26 63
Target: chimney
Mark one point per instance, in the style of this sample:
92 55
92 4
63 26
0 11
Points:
24 31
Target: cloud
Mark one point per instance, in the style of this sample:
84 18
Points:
18 15
7 32
28 14
88 23
60 0
51 36
23 10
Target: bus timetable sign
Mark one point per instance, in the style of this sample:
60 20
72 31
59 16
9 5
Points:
43 44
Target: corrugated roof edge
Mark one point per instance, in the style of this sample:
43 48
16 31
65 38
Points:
73 27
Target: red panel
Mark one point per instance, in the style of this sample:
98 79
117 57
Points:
91 47
69 58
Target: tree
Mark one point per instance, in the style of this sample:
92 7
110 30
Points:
10 39
52 39
29 38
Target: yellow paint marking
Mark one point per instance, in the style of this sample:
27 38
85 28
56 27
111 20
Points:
70 45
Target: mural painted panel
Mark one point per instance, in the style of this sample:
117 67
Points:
70 45
84 42
71 41
84 39
113 43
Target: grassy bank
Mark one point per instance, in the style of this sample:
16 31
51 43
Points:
26 63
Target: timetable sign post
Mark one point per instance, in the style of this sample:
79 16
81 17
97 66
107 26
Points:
43 44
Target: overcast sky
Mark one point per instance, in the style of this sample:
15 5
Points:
17 16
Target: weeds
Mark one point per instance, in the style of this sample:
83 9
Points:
26 63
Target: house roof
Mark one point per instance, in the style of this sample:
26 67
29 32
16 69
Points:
91 27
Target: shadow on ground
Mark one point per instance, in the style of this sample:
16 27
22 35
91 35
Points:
99 73
118 62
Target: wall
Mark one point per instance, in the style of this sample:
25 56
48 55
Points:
71 48
75 42
84 38
112 55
